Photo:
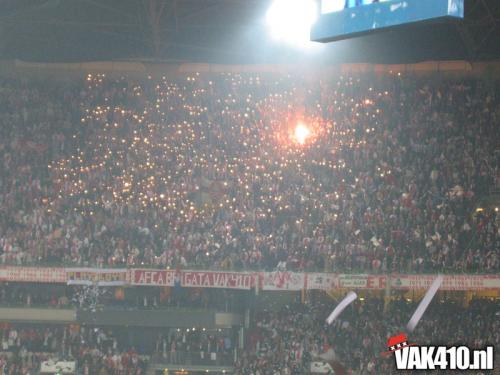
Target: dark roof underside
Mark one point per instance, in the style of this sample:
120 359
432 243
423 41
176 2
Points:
218 31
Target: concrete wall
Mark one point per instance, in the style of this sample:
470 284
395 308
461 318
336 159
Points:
159 318
37 315
138 318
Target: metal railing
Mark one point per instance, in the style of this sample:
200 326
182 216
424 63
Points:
198 358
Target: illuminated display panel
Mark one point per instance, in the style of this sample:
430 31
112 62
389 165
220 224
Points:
342 19
328 6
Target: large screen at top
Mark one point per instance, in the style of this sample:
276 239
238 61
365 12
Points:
328 6
342 19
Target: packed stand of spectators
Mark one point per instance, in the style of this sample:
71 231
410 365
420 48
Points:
31 295
164 298
211 171
280 341
59 296
96 351
285 342
195 347
25 346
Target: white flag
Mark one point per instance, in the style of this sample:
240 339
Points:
351 296
417 315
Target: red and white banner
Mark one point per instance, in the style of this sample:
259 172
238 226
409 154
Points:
99 276
33 274
193 279
230 280
278 280
322 281
282 280
450 282
152 277
362 281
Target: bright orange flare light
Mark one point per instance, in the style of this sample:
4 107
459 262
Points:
302 132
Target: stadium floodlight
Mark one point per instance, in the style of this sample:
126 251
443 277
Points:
290 21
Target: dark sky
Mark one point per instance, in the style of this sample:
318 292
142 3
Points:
219 31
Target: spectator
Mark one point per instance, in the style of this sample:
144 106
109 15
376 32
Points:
203 171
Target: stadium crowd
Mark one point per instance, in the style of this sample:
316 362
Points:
280 341
97 351
211 171
62 296
287 341
195 347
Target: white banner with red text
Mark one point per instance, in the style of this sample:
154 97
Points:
33 274
282 280
450 282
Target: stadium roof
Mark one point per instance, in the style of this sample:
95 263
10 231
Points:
218 31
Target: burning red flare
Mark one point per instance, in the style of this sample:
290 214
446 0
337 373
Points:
302 132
